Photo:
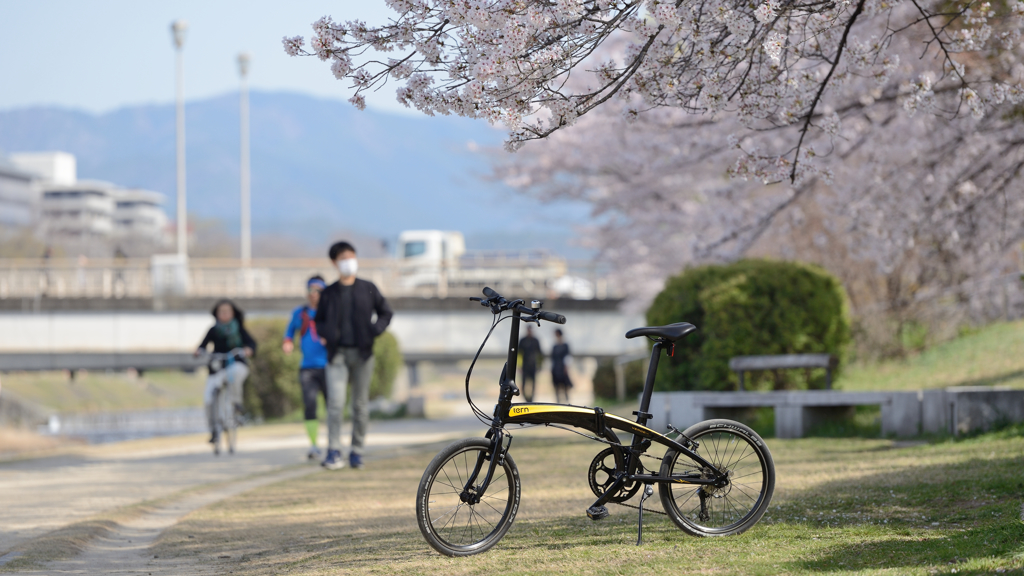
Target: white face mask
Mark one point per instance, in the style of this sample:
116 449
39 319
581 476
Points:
348 267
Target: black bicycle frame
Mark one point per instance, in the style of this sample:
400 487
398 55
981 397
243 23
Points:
594 420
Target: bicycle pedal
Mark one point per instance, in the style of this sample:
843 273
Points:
597 512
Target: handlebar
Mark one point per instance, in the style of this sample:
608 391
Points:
551 317
236 353
498 303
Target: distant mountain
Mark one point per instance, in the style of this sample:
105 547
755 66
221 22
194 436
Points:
318 166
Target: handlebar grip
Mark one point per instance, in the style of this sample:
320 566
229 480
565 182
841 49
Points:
551 317
490 293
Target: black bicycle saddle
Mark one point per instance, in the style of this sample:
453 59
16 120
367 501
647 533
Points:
672 332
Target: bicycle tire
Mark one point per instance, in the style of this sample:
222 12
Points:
228 421
732 509
218 428
452 526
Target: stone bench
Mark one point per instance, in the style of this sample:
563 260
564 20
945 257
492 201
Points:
742 364
904 414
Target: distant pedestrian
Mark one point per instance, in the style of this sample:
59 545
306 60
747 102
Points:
344 320
560 361
529 347
312 375
227 334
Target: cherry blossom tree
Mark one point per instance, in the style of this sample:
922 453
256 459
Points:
900 120
924 225
790 67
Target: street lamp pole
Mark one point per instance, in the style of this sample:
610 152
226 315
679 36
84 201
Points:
243 68
178 29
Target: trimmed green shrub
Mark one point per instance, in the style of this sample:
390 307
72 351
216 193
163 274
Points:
273 389
386 366
604 379
750 307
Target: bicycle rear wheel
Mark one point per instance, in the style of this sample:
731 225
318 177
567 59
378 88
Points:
448 518
732 509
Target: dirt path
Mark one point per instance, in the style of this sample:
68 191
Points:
39 496
125 548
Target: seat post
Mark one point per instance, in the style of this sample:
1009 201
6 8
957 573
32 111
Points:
652 370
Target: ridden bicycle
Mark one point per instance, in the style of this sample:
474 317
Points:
225 419
716 478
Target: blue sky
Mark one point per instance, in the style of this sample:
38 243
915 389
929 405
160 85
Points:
103 54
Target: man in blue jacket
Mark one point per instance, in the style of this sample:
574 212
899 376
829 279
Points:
312 375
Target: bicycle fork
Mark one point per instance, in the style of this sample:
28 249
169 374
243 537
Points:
500 442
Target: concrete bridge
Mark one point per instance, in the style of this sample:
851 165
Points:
146 333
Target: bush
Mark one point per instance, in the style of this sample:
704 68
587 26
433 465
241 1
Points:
386 366
750 307
273 389
635 374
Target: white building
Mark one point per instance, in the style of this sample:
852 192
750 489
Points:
53 167
76 210
80 211
138 215
19 199
92 209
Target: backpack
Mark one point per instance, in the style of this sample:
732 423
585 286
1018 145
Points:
307 323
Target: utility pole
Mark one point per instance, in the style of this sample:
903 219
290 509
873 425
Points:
178 29
243 68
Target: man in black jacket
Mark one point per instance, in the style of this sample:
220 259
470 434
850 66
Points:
345 323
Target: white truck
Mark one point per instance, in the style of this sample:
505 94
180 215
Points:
437 261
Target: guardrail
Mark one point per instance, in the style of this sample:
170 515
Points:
285 277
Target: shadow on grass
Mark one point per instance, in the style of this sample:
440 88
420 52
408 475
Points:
974 547
968 515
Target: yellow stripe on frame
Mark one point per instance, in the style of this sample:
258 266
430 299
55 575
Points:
525 409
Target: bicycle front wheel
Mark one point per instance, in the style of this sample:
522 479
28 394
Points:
450 518
706 510
228 419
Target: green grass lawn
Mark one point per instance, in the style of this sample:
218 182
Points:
842 506
101 390
991 356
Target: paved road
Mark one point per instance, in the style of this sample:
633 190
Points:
37 496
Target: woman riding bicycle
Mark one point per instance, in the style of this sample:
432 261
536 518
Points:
227 334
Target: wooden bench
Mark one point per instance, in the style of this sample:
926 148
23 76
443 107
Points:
741 364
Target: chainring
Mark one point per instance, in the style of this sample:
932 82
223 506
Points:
602 475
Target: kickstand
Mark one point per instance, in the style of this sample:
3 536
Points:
648 490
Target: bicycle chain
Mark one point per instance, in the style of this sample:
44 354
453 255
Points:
612 444
637 507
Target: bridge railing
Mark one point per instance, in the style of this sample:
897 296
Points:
286 277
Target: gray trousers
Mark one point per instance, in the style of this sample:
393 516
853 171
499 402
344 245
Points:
348 366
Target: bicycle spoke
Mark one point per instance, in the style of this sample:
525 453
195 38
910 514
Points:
488 504
457 523
441 517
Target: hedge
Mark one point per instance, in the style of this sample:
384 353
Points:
273 390
750 307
